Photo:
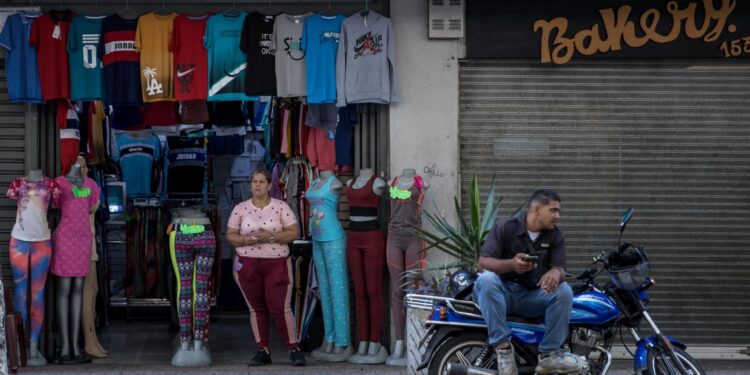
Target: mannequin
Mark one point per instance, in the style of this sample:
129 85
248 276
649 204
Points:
30 251
92 346
366 259
329 255
79 197
192 246
403 248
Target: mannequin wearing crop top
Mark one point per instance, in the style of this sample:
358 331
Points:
366 259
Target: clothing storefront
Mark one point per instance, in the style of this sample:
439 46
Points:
624 104
169 109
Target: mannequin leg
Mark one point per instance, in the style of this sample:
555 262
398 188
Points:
76 307
183 261
403 254
338 284
40 257
321 269
19 263
64 285
88 317
204 262
374 258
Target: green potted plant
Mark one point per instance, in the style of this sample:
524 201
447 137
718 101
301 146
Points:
464 242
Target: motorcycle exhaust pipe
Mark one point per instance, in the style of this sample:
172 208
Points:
456 369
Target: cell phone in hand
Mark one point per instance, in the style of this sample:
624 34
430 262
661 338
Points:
531 258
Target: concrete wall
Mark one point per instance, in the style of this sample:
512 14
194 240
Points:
424 126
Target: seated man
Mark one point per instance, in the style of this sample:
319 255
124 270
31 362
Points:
511 283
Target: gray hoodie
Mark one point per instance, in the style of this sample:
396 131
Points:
366 61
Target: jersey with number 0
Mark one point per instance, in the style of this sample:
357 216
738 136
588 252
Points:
83 58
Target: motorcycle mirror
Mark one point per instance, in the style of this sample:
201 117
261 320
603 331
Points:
625 218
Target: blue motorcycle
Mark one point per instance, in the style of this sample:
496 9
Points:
456 337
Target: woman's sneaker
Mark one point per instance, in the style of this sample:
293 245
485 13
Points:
263 357
560 362
297 357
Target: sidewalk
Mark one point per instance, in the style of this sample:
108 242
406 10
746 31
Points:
146 348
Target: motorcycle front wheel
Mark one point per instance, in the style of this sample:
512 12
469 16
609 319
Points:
461 349
660 363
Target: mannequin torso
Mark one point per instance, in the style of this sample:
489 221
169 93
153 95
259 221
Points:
336 185
35 175
378 187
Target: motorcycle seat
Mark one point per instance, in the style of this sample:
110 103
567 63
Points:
523 319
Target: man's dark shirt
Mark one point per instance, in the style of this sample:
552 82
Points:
509 237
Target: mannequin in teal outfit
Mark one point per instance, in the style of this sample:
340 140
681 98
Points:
329 255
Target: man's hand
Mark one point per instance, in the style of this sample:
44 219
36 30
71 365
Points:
551 280
520 265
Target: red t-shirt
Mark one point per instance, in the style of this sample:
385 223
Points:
49 34
190 58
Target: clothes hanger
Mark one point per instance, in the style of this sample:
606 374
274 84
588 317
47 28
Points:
127 10
164 10
366 11
271 8
233 11
329 11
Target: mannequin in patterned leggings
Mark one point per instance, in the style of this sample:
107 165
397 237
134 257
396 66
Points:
192 248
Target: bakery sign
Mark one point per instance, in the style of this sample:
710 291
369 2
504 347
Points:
556 32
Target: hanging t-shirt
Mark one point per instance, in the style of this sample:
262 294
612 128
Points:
152 40
83 58
186 158
320 41
32 200
226 61
190 58
122 83
49 34
286 45
136 156
256 43
21 70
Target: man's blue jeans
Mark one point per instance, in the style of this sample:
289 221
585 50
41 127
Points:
497 299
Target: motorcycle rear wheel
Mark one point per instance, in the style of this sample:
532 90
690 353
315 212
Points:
659 363
461 349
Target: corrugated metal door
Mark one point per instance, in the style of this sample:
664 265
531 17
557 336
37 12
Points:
669 138
12 156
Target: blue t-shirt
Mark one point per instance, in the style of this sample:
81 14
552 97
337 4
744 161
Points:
320 41
83 58
21 68
136 157
226 61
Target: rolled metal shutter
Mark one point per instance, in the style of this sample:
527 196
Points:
669 138
12 165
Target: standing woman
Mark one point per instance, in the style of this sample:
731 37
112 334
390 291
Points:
260 229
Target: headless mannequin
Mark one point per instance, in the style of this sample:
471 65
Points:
70 299
398 353
368 352
199 355
90 288
328 351
35 357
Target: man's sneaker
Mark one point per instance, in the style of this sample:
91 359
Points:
561 362
262 358
506 361
297 357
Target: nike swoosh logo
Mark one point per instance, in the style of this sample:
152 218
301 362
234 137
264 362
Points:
182 74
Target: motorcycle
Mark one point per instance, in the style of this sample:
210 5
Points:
456 338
